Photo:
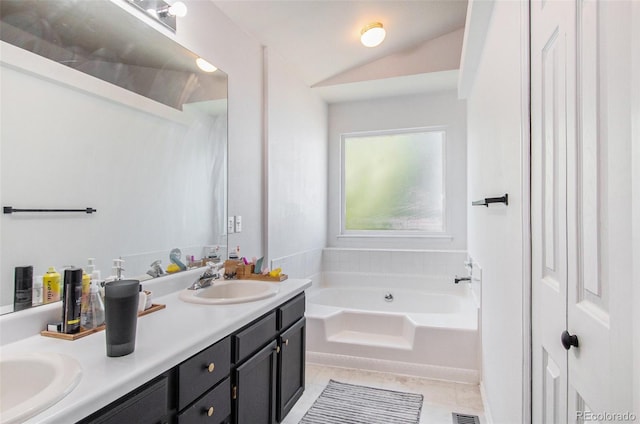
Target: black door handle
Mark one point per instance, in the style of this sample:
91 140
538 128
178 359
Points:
568 340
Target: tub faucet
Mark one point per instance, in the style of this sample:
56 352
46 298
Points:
207 278
458 279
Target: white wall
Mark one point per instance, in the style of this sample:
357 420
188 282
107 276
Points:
424 110
297 140
210 33
495 234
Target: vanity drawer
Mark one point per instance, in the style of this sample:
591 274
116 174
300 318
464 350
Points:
255 336
199 373
291 311
148 404
213 408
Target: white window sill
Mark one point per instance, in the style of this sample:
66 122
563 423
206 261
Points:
397 236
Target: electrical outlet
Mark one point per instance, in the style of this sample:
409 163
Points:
231 224
238 224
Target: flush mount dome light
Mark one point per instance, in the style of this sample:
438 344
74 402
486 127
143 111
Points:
178 9
372 34
205 66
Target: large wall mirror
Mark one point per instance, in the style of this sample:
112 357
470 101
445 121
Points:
102 110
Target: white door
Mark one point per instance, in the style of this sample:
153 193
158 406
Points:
551 32
581 219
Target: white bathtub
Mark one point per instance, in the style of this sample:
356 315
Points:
428 329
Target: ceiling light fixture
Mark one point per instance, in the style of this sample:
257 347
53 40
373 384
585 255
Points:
372 34
205 66
178 9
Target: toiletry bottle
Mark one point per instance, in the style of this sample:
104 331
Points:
37 291
23 287
90 266
96 279
72 302
84 302
94 316
86 282
116 270
51 286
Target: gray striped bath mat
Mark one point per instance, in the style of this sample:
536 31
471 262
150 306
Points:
342 403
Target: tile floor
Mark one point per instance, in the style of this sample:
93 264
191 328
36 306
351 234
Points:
441 398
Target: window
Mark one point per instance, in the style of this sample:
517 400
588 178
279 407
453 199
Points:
393 182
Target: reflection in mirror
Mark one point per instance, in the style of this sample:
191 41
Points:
162 11
101 110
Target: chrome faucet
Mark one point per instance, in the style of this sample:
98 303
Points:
207 278
156 269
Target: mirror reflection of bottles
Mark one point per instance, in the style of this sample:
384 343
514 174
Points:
23 288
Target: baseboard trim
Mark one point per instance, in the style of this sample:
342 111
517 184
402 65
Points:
487 411
416 370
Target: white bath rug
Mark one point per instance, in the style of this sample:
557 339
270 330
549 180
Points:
342 403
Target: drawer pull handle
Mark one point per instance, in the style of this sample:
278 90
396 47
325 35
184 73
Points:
211 367
210 411
286 342
277 349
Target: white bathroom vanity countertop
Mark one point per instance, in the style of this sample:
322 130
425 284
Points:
164 339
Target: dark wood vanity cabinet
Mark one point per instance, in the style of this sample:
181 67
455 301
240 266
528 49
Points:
291 358
255 387
253 376
291 363
269 376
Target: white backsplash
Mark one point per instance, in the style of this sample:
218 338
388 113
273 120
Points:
307 264
433 263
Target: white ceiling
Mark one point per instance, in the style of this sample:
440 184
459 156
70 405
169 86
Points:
319 39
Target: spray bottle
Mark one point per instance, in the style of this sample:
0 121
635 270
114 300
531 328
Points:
51 286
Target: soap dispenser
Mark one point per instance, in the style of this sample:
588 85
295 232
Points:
117 270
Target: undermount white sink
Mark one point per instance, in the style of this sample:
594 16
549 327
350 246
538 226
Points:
233 291
32 382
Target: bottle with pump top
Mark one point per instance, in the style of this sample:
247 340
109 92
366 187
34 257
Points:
94 316
86 287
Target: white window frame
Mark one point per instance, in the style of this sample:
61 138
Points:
393 233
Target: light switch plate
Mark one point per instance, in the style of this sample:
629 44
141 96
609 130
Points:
231 223
238 224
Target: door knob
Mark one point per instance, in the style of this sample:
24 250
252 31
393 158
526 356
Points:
568 340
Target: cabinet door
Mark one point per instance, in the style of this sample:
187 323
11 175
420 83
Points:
255 388
291 363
